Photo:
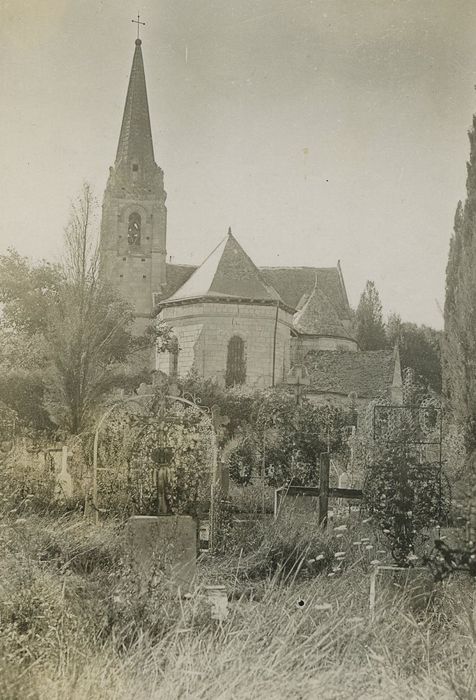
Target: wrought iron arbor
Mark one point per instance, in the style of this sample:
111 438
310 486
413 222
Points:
155 411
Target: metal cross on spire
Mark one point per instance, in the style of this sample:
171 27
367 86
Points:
138 22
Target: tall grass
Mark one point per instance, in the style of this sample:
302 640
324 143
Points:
74 625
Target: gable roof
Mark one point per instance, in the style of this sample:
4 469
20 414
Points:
369 373
294 283
228 272
318 317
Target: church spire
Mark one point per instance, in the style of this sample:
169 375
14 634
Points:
135 141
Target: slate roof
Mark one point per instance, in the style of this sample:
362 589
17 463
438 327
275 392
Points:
318 317
177 275
368 373
135 139
294 283
228 272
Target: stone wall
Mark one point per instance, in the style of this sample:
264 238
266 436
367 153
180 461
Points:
204 330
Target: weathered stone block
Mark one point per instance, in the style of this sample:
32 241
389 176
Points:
164 545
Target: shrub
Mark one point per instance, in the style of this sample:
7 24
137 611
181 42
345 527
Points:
402 496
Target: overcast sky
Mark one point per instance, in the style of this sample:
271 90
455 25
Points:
318 130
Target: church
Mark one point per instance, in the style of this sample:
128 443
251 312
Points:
232 321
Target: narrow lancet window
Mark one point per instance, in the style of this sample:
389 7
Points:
235 362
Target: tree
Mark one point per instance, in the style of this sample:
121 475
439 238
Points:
27 291
459 348
420 349
22 370
88 329
65 334
370 329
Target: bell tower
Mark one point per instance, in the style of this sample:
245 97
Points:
134 215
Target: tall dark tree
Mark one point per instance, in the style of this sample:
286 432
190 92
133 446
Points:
369 325
460 321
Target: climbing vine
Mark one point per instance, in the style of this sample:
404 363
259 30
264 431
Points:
133 444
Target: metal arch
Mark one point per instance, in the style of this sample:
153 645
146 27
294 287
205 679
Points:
136 399
13 423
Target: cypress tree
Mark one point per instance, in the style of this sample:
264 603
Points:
370 329
459 350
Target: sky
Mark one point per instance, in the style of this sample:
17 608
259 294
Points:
318 130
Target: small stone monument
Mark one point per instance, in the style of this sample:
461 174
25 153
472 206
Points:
218 601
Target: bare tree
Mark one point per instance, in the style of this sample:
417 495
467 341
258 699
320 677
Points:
81 254
89 328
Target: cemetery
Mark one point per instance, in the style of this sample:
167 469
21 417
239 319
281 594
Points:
233 477
158 536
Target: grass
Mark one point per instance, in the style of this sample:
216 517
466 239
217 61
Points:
73 624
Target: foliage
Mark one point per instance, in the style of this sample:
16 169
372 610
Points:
420 349
459 348
369 326
128 446
27 292
24 393
402 495
88 331
22 370
460 310
66 336
285 438
235 403
88 344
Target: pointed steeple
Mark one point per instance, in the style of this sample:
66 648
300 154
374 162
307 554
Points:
133 241
135 140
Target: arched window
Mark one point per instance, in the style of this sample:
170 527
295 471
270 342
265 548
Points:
235 362
133 230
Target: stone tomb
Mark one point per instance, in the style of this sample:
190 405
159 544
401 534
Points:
163 546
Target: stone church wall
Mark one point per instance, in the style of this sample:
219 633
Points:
204 330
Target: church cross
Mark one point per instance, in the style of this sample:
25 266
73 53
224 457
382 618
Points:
138 22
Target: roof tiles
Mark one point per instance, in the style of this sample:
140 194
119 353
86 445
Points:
369 373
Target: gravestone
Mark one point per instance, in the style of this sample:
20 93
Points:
163 546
